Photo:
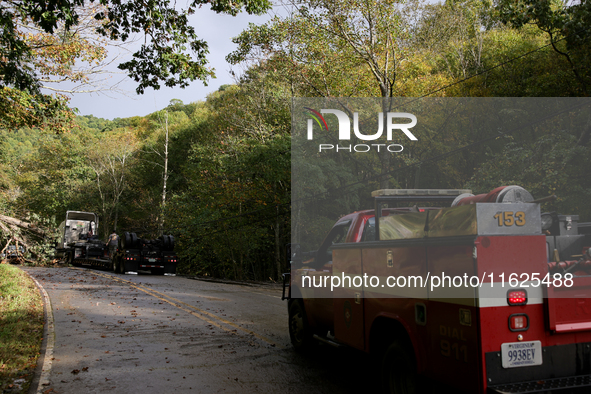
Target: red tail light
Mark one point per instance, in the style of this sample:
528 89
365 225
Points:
517 297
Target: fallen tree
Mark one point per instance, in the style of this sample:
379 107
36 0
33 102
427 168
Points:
22 224
34 238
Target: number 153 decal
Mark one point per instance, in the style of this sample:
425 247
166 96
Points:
509 218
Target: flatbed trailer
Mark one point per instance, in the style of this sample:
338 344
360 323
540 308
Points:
77 247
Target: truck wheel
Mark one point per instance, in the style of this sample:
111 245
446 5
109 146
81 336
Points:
70 260
399 370
165 242
299 330
133 241
125 241
121 265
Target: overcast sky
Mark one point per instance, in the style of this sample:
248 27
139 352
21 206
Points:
217 30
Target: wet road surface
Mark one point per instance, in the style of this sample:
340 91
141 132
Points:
147 333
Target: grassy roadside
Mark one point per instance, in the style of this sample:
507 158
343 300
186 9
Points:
21 329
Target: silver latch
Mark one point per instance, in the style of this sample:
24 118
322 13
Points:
389 259
358 298
569 222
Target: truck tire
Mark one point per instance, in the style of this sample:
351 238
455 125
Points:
165 242
70 259
121 265
157 271
399 370
299 329
125 240
170 268
133 241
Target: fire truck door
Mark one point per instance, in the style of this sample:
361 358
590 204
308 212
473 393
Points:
348 297
453 318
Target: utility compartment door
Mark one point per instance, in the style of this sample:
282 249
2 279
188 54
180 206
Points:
569 308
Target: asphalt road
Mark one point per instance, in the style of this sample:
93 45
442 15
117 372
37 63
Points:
159 334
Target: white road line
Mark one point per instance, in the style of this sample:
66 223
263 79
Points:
50 343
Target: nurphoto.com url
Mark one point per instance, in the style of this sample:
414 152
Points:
433 282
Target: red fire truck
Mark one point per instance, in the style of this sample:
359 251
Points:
485 295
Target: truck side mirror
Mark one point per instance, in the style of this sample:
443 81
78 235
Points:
294 253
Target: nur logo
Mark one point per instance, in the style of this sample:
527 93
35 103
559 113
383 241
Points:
345 129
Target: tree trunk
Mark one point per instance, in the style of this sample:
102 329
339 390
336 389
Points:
165 175
116 215
22 224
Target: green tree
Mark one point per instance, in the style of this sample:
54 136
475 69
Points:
336 48
76 56
230 212
156 170
55 175
172 53
346 48
110 158
566 25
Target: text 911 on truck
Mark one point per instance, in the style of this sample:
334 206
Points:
487 295
78 245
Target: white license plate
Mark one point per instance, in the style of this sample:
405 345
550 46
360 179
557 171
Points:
521 354
151 260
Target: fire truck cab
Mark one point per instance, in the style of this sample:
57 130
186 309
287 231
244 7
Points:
485 295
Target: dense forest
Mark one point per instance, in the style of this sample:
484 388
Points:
217 173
